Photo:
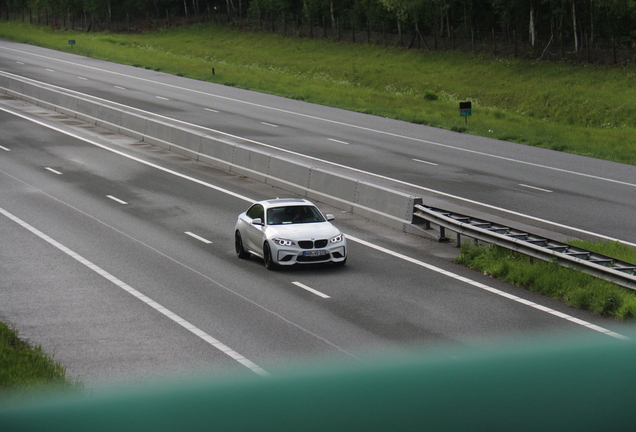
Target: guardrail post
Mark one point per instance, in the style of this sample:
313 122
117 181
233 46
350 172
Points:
442 235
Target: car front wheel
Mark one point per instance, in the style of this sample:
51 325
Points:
267 258
238 245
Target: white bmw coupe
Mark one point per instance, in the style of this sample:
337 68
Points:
288 231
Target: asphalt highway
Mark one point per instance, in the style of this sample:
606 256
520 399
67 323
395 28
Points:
117 257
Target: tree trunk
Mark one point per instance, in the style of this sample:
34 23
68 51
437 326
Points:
532 29
333 16
353 30
576 36
110 14
311 28
562 37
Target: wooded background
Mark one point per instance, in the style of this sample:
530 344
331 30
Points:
598 31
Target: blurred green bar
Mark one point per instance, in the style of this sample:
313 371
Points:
562 383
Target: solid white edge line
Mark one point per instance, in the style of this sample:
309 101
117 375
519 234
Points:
269 124
490 289
156 306
211 110
116 199
250 200
193 235
4 148
82 78
305 287
162 98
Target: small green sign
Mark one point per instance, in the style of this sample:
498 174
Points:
465 109
71 41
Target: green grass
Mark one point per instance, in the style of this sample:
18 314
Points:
612 249
26 367
588 110
570 286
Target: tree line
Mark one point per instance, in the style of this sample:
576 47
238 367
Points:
519 27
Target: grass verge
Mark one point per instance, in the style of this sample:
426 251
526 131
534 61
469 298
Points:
573 287
24 367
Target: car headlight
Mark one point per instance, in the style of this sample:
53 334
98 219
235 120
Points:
337 239
283 242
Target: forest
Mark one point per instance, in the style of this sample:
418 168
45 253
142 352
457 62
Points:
588 30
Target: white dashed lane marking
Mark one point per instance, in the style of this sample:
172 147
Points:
116 199
338 141
311 290
425 162
193 235
53 170
535 188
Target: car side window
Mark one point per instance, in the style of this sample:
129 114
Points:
256 211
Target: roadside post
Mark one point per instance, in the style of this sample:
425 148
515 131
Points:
71 42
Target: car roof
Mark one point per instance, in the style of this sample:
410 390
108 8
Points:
285 202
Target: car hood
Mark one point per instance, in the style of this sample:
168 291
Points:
319 230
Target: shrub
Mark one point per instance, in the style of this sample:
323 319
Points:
430 96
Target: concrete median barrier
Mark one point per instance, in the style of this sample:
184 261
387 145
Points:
186 143
289 175
87 109
216 152
250 163
133 125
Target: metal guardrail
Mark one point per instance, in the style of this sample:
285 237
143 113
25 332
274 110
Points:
604 267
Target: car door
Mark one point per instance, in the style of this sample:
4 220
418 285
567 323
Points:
254 233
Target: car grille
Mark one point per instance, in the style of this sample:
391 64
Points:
309 244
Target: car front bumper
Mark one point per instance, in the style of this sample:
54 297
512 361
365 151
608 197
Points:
291 256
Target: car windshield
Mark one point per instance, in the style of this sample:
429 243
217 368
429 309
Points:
293 215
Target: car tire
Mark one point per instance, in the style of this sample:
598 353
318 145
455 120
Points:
238 245
267 258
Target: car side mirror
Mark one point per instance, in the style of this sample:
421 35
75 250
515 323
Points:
257 221
329 217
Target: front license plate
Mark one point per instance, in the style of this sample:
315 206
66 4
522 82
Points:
315 253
